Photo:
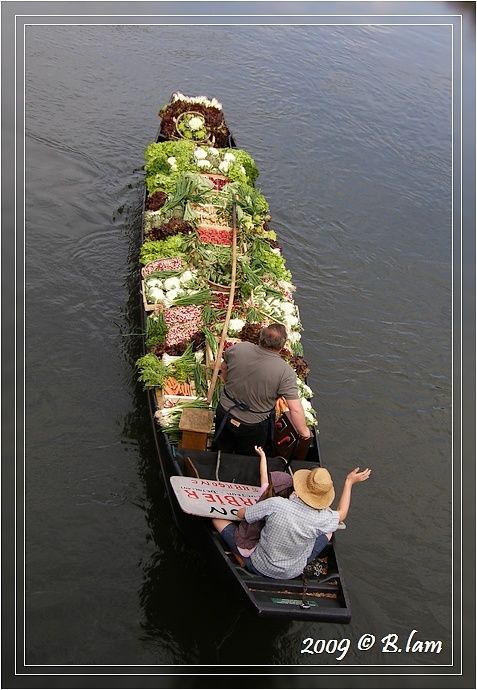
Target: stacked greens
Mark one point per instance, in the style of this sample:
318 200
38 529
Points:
192 187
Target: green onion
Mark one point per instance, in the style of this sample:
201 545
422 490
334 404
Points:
252 316
199 297
156 329
209 314
211 341
200 379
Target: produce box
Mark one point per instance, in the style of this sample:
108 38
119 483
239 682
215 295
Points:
165 400
215 234
174 263
209 214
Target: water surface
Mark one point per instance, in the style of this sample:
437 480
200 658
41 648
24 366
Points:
350 127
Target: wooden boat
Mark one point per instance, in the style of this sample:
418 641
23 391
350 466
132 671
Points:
321 593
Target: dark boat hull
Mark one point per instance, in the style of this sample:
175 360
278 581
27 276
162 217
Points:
326 597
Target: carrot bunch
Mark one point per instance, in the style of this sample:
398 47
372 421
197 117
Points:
174 387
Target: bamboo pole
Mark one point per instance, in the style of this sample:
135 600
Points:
215 373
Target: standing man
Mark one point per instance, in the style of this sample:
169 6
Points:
255 376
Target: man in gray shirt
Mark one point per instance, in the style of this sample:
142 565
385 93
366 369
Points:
255 376
296 529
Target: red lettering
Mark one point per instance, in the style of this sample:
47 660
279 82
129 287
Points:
190 493
248 501
231 500
209 497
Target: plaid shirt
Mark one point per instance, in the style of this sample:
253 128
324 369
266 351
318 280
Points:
289 534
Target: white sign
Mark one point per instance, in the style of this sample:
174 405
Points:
209 498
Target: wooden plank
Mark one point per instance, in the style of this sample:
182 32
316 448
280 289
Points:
196 419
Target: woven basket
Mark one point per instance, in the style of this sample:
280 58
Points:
180 117
218 287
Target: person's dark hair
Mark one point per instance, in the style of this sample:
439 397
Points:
284 493
273 337
277 486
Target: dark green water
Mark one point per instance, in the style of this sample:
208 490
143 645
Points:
350 127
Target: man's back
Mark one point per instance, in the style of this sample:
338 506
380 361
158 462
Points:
256 376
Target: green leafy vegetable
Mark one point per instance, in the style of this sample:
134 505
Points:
211 341
267 261
189 187
167 161
176 245
156 330
297 348
152 371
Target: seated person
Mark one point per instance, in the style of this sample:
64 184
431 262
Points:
275 484
296 529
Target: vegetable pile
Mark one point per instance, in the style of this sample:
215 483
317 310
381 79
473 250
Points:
193 181
208 112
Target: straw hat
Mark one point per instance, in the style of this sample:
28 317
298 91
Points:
314 487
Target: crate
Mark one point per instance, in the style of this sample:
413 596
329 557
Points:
167 400
223 231
196 426
208 215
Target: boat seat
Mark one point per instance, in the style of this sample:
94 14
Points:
242 469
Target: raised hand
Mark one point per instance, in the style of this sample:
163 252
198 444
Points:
358 475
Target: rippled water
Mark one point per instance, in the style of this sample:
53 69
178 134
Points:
351 129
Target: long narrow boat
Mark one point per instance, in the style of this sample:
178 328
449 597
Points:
199 187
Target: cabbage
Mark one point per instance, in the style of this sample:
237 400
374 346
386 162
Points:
171 283
154 282
235 326
186 277
156 294
172 294
287 308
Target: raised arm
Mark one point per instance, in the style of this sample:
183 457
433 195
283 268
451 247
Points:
353 477
263 465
